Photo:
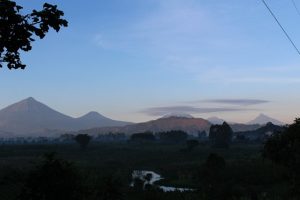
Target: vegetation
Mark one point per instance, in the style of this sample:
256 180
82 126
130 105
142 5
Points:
104 171
142 137
220 135
173 136
17 30
283 148
83 140
53 178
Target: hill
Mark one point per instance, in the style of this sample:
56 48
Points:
187 124
260 133
30 117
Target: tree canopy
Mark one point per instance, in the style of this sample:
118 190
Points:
83 140
283 148
175 136
52 178
17 31
220 135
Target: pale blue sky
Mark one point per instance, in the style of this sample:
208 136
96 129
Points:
123 58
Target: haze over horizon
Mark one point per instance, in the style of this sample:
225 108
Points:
138 60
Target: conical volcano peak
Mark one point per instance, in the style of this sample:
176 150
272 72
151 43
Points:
264 119
92 114
29 99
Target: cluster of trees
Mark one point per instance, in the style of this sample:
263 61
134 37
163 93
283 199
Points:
143 137
220 136
283 148
55 178
175 136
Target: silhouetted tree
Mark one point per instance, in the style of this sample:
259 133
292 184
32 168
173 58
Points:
51 179
83 140
17 30
283 148
220 135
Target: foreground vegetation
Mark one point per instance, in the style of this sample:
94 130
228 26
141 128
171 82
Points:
208 169
244 173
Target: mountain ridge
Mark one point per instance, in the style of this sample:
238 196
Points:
31 117
263 119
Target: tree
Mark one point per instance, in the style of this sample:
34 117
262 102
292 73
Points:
17 31
52 178
83 140
283 148
220 135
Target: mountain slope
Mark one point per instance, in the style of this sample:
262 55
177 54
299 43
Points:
94 119
264 119
30 117
261 132
189 125
215 120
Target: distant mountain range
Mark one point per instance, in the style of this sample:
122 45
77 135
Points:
215 120
30 117
263 119
167 123
178 122
260 133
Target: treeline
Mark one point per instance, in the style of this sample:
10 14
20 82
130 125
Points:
175 136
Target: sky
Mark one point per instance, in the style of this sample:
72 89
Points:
137 60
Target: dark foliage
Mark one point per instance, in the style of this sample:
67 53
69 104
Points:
220 135
212 177
283 148
173 136
244 175
110 188
51 179
191 144
83 140
17 31
142 137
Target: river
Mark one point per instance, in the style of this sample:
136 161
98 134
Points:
150 177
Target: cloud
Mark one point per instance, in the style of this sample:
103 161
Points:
160 111
238 102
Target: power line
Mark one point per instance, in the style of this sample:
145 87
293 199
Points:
298 11
286 34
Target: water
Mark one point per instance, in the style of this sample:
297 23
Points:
150 177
